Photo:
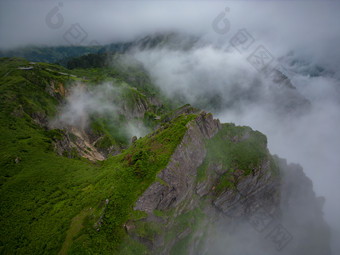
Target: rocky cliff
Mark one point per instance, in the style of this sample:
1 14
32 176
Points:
222 179
177 178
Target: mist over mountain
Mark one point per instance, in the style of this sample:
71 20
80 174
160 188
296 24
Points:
300 111
154 127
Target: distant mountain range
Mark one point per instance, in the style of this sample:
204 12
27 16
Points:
62 54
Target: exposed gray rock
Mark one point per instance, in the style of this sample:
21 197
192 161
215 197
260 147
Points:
261 187
182 168
136 110
155 101
40 118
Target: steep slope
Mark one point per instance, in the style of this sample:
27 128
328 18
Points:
42 191
211 171
130 99
169 192
221 184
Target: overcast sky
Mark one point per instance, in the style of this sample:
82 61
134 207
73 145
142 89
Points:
46 22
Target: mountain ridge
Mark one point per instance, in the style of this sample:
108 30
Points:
154 194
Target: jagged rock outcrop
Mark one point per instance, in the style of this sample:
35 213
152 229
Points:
134 109
260 186
40 118
178 176
75 143
57 90
179 190
229 200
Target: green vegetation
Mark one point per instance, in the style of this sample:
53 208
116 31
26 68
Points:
129 246
40 191
186 224
73 230
87 61
53 204
147 230
129 175
97 68
235 149
226 181
46 198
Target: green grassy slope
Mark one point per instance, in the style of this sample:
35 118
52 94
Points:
125 177
40 191
48 200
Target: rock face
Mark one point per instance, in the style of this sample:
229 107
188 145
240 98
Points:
76 142
179 190
197 212
136 109
243 200
178 177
